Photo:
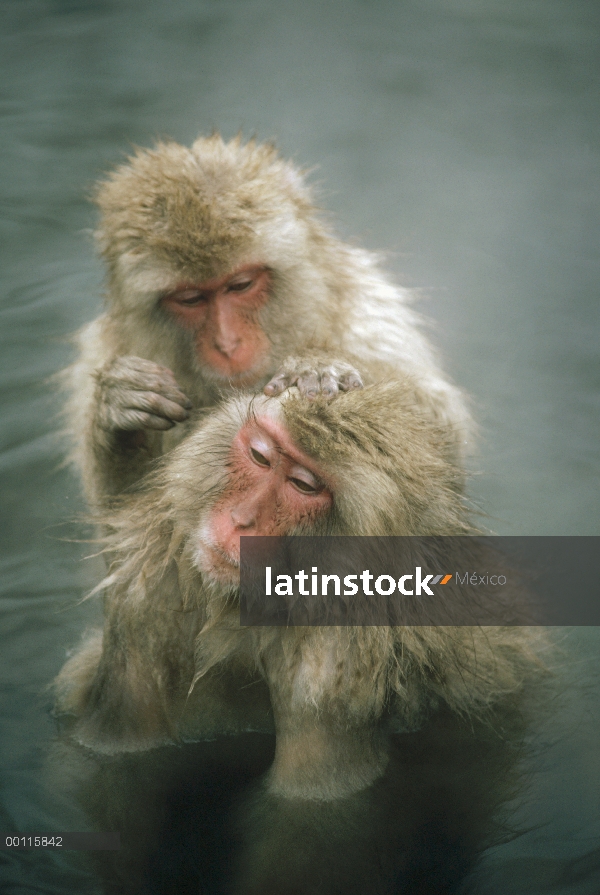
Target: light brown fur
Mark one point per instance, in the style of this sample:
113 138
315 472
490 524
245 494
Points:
172 214
347 796
391 478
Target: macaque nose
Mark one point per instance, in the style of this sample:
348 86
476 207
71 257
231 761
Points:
226 336
254 508
244 515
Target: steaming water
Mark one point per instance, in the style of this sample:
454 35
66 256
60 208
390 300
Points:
461 136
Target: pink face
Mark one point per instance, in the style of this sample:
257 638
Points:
223 316
273 488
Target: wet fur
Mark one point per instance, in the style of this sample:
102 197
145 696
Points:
364 760
169 631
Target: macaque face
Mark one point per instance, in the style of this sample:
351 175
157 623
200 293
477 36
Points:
223 315
273 488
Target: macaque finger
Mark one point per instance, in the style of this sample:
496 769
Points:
155 404
314 378
308 384
132 420
329 384
278 384
167 391
137 373
351 380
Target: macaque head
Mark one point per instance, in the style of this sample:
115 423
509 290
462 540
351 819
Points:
368 463
215 258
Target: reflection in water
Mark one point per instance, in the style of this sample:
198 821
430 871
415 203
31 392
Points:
460 136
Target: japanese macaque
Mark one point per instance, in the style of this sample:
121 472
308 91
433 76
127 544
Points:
386 739
220 276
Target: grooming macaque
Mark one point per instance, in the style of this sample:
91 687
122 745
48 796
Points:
221 276
353 709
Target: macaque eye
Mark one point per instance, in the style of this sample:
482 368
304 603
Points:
240 286
259 458
305 487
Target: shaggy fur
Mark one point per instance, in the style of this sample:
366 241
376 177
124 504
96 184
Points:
393 747
171 214
169 632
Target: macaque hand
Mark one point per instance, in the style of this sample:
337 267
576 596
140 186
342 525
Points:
134 394
313 378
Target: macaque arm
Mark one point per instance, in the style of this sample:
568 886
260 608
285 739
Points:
318 759
129 688
125 405
125 688
114 702
135 400
116 411
111 697
317 823
314 376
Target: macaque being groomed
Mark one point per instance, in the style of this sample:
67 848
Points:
392 745
222 276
